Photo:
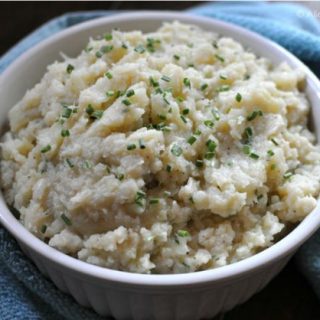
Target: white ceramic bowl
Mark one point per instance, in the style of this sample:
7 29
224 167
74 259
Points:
126 295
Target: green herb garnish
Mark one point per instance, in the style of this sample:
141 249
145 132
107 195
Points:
131 146
219 57
126 102
270 153
141 144
108 36
254 114
130 93
108 75
238 97
65 133
183 119
183 233
199 163
166 78
43 228
176 150
70 164
154 201
70 68
209 123
140 49
187 82
204 87
66 220
191 140
46 149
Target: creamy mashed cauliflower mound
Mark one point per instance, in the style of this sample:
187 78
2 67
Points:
166 152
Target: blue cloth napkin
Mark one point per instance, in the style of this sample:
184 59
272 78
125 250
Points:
24 292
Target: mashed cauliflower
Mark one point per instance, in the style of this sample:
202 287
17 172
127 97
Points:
168 152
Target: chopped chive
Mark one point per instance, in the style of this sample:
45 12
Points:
108 36
89 109
108 75
176 57
166 78
65 133
131 146
187 82
176 150
199 163
110 93
154 201
191 140
209 123
120 176
43 228
248 132
270 153
130 93
247 77
288 174
238 97
124 46
219 57
191 199
153 82
185 111
88 165
70 164
126 102
211 145
246 149
88 49
254 114
168 168
183 233
159 91
66 113
70 68
140 49
46 149
141 144
209 155
197 132
222 77
216 114
97 114
204 87
165 98
66 220
183 119
254 155
167 193
274 141
139 199
223 88
215 44
162 117
106 49
141 194
179 99
99 54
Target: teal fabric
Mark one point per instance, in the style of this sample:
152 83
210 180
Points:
24 292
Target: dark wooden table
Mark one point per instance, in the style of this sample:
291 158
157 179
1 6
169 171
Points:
288 296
